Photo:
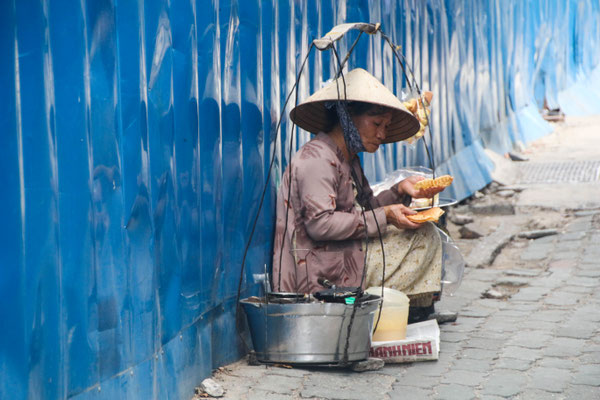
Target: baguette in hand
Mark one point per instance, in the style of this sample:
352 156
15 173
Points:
443 181
432 214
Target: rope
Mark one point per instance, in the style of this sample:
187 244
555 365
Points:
404 65
262 198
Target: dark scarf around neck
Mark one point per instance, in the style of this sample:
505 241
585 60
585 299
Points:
352 138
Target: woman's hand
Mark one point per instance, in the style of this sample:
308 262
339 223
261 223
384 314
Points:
395 214
408 186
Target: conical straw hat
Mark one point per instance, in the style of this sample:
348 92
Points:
311 115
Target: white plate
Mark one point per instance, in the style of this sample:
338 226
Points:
444 202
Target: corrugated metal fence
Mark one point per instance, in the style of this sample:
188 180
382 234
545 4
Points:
134 143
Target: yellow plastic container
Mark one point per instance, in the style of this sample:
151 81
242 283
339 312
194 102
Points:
394 315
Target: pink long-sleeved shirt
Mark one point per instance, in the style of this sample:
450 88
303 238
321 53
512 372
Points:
326 227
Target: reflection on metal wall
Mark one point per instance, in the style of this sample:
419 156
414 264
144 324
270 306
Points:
134 143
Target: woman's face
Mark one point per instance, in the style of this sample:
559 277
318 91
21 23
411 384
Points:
372 129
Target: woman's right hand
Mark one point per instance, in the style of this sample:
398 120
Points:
395 214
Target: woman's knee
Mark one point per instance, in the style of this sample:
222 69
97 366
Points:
429 233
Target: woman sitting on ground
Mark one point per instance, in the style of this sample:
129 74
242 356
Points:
331 209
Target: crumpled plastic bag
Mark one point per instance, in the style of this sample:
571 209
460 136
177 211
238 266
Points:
396 176
453 264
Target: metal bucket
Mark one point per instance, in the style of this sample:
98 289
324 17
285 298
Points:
309 333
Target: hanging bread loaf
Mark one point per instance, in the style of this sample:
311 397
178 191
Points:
420 108
432 214
442 181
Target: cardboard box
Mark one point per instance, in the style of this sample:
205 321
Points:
422 343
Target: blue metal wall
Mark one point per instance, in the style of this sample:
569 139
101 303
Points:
135 138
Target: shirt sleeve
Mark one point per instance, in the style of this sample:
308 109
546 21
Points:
317 180
390 196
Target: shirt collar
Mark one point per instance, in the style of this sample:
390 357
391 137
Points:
324 137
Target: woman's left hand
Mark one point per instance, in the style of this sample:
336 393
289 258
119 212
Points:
408 186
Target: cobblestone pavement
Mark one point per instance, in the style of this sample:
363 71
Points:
542 342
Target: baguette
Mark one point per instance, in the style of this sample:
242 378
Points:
432 214
442 181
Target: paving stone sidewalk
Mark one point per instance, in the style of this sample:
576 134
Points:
541 343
